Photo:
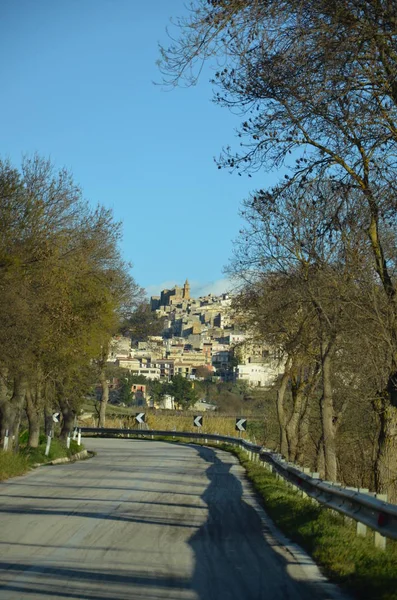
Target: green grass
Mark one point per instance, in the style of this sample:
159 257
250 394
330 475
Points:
57 450
12 464
353 562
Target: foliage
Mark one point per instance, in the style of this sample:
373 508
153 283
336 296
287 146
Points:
182 390
143 323
127 380
64 290
12 465
315 85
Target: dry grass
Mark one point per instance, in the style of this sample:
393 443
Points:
178 421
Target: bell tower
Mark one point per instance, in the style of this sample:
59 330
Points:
186 290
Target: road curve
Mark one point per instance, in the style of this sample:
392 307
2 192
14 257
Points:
146 520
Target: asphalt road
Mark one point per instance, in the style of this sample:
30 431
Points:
145 520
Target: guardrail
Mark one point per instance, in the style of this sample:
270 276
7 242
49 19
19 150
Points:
365 508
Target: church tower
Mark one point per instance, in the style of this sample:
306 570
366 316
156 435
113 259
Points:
186 290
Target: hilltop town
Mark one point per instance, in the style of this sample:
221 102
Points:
199 339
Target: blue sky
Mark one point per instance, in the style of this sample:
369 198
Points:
77 86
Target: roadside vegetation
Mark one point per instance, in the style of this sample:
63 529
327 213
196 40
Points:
65 291
13 464
351 561
316 257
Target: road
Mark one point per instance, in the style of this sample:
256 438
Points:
146 520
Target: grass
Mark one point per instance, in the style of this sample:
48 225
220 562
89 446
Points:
124 417
352 562
12 464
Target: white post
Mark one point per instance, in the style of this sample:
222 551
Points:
5 443
48 446
79 437
68 441
74 434
380 540
361 528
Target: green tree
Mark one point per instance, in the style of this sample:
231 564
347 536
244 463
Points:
143 323
182 390
63 290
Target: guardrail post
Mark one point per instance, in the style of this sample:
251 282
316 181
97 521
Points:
380 540
361 530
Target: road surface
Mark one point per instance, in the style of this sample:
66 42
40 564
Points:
146 520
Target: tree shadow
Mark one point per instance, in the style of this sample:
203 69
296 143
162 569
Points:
233 560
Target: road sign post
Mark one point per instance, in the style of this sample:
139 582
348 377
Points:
198 420
241 425
140 419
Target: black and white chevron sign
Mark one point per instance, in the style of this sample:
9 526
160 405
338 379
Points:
241 424
198 421
140 417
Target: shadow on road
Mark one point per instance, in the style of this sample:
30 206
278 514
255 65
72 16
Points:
133 542
233 561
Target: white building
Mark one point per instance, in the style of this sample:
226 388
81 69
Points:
259 375
137 368
167 402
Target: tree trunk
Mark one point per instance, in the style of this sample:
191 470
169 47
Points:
33 416
13 411
3 401
386 458
320 460
327 416
68 417
293 422
303 432
280 410
104 398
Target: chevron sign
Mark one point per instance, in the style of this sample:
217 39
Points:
241 424
140 417
198 421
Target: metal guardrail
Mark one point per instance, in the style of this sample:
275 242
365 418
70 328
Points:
365 508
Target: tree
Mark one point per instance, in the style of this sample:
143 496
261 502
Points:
182 390
143 323
301 283
316 87
204 371
63 290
